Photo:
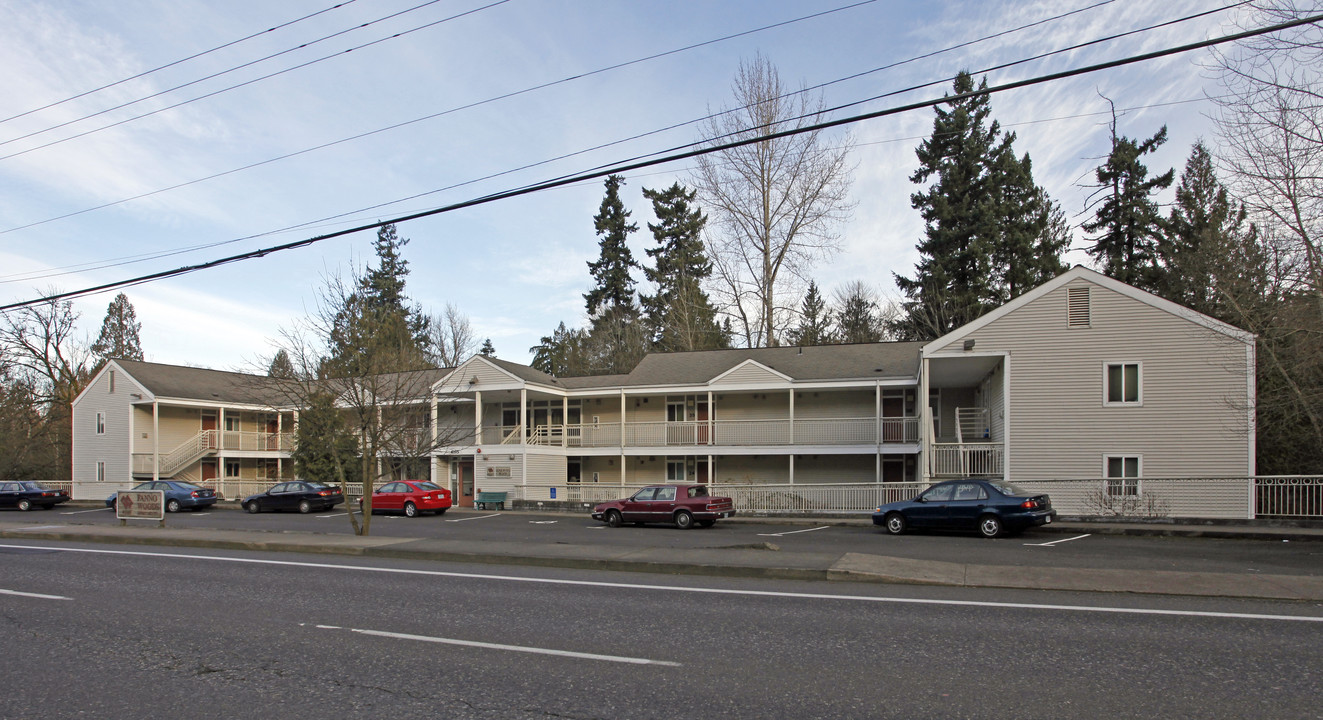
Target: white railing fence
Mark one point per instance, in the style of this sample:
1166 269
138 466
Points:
1237 498
966 459
824 431
240 488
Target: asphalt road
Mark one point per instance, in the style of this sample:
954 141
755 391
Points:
1033 548
156 633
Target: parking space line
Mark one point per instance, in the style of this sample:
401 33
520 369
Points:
1055 542
792 532
479 517
79 512
336 515
39 596
37 527
511 648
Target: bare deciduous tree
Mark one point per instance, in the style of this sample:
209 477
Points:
453 340
775 204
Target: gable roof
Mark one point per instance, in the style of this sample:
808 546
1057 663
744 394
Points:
1080 272
865 361
177 381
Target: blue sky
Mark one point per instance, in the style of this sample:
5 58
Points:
516 268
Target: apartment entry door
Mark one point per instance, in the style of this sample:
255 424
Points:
463 490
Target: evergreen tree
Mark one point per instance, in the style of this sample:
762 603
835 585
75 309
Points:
1207 252
680 315
615 287
324 446
373 329
856 316
281 367
814 326
989 232
119 332
1128 222
488 350
563 353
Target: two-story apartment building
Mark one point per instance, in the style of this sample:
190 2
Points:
1083 377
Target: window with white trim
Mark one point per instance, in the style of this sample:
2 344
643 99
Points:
231 468
1123 383
100 423
100 471
1122 473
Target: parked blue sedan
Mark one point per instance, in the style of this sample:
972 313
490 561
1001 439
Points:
178 495
992 507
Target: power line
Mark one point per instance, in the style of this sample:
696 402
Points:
504 195
563 80
159 68
238 85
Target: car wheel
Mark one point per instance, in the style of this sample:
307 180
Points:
305 507
614 519
252 507
684 519
172 505
896 524
25 504
989 526
410 510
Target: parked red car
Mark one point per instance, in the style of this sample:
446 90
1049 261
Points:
681 504
410 497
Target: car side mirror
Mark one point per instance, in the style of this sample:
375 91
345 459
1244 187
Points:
921 499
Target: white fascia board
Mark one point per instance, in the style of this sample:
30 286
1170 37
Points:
216 403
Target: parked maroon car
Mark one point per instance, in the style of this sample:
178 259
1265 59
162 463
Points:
682 504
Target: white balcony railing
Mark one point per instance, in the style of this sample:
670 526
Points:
966 459
246 440
829 431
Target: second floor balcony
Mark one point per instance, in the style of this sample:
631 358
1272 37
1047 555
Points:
732 433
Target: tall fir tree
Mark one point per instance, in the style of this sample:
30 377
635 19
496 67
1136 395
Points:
119 332
487 350
856 317
1127 225
814 327
562 353
611 272
989 231
281 367
374 328
1208 256
679 315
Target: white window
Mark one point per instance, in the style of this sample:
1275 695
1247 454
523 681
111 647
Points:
232 423
1123 383
231 468
675 470
1122 473
100 423
112 381
100 471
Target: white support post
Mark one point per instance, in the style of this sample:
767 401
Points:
477 418
792 428
156 441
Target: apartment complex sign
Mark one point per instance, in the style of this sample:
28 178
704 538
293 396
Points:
140 505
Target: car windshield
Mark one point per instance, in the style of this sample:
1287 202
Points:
427 486
30 486
1010 490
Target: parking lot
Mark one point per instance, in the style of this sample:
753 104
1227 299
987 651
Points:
1034 548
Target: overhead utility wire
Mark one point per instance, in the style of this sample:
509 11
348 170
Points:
1051 77
232 87
194 56
538 87
383 40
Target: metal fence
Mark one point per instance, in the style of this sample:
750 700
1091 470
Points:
1295 497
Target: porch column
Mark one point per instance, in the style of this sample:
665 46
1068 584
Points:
220 430
294 430
711 469
477 417
711 429
156 441
622 467
622 434
879 428
431 448
280 444
792 468
792 433
523 416
565 421
926 424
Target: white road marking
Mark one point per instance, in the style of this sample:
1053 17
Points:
79 512
34 595
681 589
543 522
792 532
479 517
336 515
1055 542
513 648
37 527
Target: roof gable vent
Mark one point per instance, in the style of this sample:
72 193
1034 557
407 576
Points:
1077 307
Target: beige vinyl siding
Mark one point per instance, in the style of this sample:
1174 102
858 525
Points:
952 398
544 470
771 405
810 469
485 374
454 428
749 374
1191 423
751 469
110 447
492 463
835 404
178 425
994 399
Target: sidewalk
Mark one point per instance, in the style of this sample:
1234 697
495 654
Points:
758 560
